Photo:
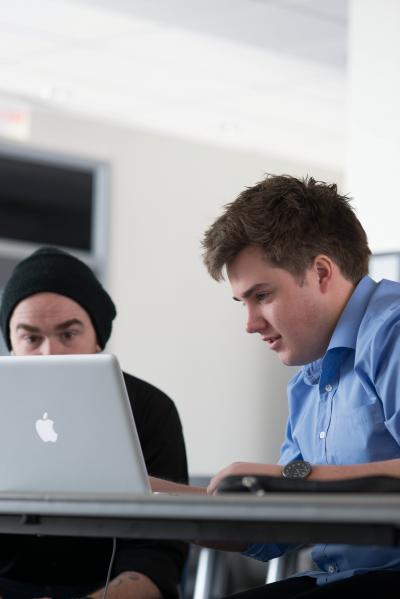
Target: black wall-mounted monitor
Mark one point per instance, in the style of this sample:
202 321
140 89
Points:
46 203
51 199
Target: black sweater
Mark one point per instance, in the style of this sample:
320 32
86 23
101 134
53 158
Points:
80 561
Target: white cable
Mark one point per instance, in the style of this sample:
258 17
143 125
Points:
110 568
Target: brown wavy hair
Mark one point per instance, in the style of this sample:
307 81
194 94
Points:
292 220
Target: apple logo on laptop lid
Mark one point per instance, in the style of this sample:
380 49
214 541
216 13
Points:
45 430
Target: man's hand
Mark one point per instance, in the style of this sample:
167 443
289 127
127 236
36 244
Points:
242 469
128 585
158 485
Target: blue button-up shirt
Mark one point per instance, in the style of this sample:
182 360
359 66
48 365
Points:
345 409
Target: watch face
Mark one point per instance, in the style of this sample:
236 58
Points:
296 469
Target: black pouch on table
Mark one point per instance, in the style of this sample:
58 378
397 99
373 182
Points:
261 485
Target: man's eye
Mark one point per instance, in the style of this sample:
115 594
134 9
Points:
68 335
262 296
31 339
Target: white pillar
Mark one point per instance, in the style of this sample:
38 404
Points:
373 161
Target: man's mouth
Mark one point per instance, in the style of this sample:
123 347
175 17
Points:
272 340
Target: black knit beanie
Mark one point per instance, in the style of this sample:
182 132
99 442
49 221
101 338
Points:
53 270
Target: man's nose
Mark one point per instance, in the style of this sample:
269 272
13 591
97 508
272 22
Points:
255 322
51 347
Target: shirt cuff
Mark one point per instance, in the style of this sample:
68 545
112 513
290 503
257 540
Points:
264 552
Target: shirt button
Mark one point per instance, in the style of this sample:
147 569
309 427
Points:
322 435
331 569
328 388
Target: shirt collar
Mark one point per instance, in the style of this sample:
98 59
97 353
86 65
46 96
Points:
346 330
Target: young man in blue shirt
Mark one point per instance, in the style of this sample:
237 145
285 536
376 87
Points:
297 258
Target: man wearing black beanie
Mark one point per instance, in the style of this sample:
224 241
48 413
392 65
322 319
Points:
55 271
54 304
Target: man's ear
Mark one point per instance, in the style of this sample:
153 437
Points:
98 349
12 353
323 267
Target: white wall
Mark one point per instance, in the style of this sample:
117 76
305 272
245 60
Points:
176 327
372 171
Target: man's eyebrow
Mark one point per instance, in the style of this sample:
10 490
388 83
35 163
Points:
68 323
249 292
60 327
28 327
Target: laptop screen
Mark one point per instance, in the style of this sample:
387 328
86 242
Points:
66 426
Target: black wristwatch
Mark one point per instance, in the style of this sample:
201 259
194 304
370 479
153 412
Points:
297 469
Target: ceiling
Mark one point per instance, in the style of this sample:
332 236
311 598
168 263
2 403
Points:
263 75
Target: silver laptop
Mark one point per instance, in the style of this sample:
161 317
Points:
66 426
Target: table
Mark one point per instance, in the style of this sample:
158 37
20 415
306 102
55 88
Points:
361 518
